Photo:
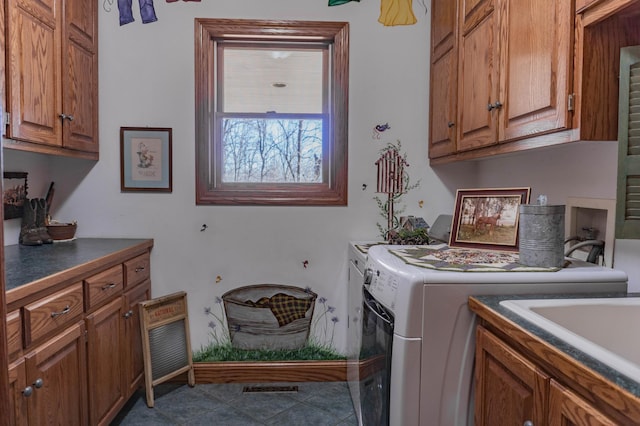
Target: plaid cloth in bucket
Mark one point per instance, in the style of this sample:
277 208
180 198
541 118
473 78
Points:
284 307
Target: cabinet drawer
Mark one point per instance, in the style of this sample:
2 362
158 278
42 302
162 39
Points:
137 270
14 334
103 286
52 312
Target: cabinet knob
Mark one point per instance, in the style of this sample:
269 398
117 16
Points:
108 286
128 315
139 269
527 423
38 383
451 124
496 105
28 391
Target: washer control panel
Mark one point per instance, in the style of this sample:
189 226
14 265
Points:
384 287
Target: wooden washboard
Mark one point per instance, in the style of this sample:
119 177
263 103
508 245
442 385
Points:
164 323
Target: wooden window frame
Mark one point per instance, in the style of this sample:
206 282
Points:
209 191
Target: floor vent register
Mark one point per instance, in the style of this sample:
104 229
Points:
270 389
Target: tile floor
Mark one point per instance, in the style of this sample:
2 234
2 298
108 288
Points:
315 403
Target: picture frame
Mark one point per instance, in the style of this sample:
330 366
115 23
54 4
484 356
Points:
146 159
14 194
487 218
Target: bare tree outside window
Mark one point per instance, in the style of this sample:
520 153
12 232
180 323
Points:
272 150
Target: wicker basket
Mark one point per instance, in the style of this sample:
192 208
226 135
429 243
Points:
256 327
62 231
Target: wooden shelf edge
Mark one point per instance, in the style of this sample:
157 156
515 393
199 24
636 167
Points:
257 372
543 141
50 150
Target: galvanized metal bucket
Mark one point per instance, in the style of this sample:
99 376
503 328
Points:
541 235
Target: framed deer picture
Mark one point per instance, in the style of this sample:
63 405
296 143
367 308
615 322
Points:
487 218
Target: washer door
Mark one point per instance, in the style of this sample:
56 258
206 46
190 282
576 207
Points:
375 361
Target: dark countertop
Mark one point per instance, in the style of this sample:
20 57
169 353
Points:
612 375
25 264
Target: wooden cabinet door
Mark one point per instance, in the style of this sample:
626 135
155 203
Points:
132 350
57 372
509 389
535 67
18 399
566 408
444 76
442 105
478 75
33 71
443 26
80 75
104 360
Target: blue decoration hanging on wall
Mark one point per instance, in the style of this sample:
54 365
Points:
147 11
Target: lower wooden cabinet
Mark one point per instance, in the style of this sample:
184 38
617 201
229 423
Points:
17 385
512 390
50 383
567 408
133 357
80 357
114 354
105 342
509 389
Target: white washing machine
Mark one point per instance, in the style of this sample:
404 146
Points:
415 363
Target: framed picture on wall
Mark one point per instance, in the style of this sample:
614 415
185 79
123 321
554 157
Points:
14 194
145 159
487 218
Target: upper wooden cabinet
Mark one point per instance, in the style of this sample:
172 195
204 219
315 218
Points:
529 74
52 77
515 58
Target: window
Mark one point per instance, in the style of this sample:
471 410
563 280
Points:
271 112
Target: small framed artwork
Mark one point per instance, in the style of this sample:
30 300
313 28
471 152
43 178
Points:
14 194
487 218
145 159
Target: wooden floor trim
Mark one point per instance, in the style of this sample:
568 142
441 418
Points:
259 372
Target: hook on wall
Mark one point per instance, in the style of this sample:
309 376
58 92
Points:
204 227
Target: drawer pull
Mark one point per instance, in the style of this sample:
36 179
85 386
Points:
140 269
66 310
128 315
108 286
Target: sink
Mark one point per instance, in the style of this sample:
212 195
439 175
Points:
608 329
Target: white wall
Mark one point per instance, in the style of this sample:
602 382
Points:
146 79
582 169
